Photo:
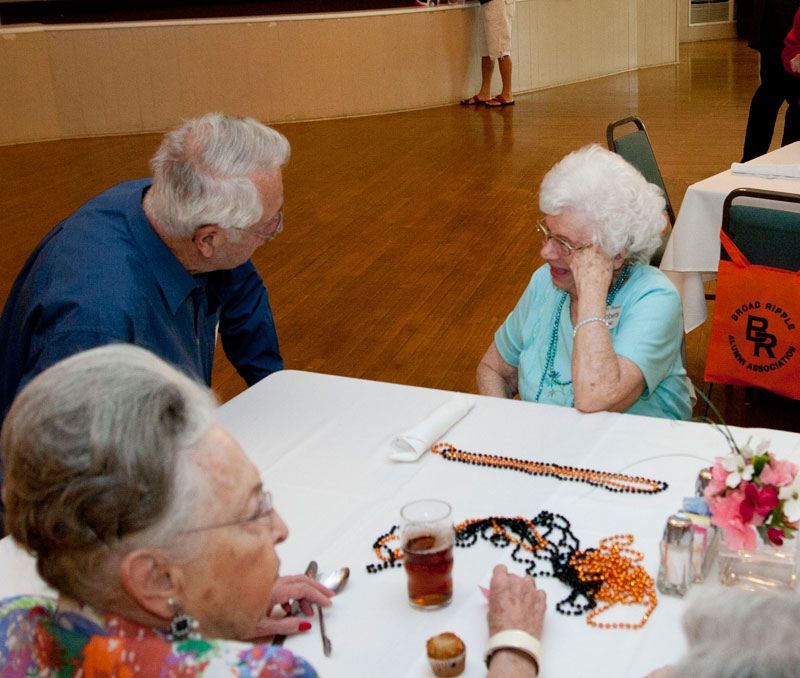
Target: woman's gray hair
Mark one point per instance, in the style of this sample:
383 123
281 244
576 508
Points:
202 173
628 211
96 465
742 634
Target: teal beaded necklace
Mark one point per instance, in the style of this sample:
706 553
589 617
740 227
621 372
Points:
549 365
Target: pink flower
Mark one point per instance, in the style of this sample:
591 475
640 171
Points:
718 477
742 537
727 513
775 536
778 473
756 504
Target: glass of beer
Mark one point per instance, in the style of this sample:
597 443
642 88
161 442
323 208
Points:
427 538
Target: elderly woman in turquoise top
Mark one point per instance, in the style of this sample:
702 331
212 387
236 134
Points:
597 328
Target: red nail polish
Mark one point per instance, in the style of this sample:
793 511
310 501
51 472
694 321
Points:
304 626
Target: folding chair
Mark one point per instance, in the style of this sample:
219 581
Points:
636 149
767 236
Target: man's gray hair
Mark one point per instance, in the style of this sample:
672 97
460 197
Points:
96 465
202 173
628 211
742 634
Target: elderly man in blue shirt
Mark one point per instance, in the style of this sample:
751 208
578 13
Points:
162 263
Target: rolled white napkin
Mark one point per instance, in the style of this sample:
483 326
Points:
769 171
410 446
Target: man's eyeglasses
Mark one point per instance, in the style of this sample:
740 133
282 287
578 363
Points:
566 247
273 227
265 509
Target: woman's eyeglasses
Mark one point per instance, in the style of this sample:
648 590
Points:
265 509
566 247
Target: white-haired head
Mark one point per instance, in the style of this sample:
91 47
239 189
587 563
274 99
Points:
627 210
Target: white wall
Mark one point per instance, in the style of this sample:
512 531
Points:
99 79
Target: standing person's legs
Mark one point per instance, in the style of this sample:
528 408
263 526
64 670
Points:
499 20
487 64
765 105
505 75
791 123
487 68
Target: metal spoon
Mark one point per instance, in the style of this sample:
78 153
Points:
334 581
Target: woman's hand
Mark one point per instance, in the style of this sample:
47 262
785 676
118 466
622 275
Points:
515 603
297 587
304 590
794 64
592 270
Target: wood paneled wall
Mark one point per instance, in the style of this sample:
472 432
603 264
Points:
100 79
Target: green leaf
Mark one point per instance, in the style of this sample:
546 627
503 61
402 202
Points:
759 462
762 532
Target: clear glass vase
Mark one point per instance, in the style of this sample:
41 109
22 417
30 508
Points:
765 568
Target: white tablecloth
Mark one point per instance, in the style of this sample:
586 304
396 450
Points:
321 444
692 254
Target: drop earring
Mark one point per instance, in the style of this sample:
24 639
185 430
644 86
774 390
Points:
182 626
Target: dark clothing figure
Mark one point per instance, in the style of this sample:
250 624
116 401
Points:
772 20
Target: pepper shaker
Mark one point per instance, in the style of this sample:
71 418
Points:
675 570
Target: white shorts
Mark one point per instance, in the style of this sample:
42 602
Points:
496 18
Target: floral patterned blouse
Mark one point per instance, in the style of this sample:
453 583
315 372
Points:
43 638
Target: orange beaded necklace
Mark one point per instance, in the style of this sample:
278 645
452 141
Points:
624 582
613 482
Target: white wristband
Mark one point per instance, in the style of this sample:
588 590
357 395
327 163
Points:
588 320
514 639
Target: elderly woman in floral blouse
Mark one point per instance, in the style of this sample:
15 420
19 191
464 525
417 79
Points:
156 531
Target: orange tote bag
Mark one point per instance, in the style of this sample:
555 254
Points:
755 335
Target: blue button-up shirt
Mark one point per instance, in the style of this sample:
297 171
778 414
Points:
105 276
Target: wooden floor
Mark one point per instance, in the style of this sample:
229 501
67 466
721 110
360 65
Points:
409 236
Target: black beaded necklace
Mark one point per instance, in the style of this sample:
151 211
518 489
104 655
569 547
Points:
613 482
545 545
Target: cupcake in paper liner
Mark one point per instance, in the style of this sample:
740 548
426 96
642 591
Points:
446 654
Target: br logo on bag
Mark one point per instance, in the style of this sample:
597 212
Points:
754 346
755 334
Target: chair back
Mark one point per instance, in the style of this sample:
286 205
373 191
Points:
767 235
636 149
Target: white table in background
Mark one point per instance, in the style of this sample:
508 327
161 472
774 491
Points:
320 443
692 253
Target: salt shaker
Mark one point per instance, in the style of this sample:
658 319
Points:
675 570
704 540
703 479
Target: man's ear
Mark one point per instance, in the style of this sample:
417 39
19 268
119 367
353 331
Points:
151 580
207 239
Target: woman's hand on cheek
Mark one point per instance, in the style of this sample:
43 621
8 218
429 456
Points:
592 270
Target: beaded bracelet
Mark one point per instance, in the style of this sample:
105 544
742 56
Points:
515 639
588 320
